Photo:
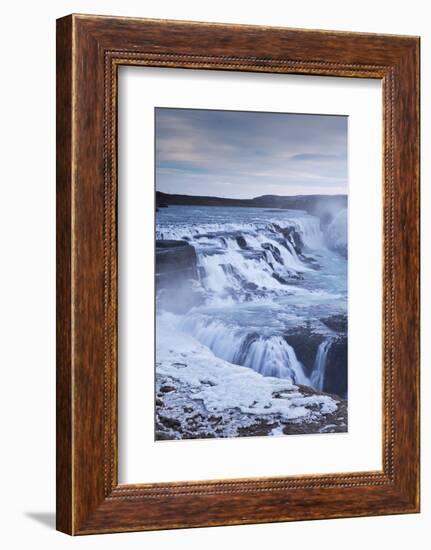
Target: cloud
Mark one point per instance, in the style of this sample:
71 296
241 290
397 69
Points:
314 157
241 154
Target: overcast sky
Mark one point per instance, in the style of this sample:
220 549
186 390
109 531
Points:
246 154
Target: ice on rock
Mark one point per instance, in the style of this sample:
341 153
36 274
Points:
230 386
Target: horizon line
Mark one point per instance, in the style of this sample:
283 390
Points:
255 197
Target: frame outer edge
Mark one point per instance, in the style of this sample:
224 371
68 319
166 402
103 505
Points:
81 507
64 300
407 272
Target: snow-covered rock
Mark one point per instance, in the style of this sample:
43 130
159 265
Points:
209 397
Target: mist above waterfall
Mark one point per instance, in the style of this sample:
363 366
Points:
336 233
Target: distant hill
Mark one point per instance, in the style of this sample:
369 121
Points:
323 206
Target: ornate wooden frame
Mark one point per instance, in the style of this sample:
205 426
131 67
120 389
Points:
89 51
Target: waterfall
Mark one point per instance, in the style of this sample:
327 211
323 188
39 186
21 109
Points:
241 259
318 374
274 357
270 356
309 229
248 260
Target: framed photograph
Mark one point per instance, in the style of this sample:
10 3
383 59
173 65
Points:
237 274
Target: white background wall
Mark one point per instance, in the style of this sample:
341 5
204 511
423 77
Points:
27 238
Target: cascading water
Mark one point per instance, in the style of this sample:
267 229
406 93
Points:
268 260
317 379
270 356
274 357
240 258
